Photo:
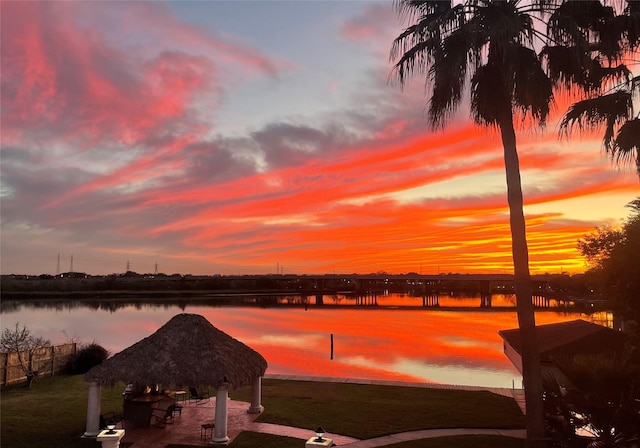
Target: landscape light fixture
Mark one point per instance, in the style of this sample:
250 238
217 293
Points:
319 434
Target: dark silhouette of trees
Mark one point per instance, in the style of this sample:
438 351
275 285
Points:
489 47
590 54
613 256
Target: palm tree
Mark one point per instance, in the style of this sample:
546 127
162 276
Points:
489 47
593 49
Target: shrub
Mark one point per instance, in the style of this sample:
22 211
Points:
87 357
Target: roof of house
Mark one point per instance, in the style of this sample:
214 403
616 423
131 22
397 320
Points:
569 338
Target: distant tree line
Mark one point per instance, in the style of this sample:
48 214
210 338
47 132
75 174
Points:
18 286
614 258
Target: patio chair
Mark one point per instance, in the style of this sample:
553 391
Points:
177 410
199 396
163 416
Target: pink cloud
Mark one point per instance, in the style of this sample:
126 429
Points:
67 83
69 75
160 24
374 24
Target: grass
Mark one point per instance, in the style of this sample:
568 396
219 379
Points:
355 409
52 413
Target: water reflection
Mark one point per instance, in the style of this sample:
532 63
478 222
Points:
383 341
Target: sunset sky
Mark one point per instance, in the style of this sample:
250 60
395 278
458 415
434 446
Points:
251 137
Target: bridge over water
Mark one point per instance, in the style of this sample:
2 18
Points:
367 290
484 283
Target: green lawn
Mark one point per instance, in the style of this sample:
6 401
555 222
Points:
52 414
355 409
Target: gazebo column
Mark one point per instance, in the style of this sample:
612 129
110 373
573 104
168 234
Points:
93 410
220 430
256 396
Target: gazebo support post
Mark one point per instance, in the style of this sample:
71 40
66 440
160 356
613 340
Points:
220 430
93 410
256 396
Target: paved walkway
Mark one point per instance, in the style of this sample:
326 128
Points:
186 429
351 442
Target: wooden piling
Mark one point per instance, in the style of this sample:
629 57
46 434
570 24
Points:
331 345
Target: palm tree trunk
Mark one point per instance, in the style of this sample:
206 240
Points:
531 370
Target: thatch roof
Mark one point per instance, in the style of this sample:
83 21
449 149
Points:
186 351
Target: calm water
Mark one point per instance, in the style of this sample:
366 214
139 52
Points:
453 347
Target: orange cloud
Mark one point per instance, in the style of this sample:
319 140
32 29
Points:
110 143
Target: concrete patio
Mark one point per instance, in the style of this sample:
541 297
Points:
186 429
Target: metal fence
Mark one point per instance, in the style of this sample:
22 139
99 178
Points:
47 361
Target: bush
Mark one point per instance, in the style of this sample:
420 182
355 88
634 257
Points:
87 357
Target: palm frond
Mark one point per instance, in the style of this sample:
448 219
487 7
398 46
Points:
490 99
630 22
565 64
411 9
626 146
634 205
594 112
532 89
411 36
616 74
419 42
575 16
612 37
449 73
414 60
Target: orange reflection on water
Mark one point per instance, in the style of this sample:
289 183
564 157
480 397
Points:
419 345
407 345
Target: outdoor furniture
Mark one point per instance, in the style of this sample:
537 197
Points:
164 416
206 427
181 395
199 396
177 410
139 409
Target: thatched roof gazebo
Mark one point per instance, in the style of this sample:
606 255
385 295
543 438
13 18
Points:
186 351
